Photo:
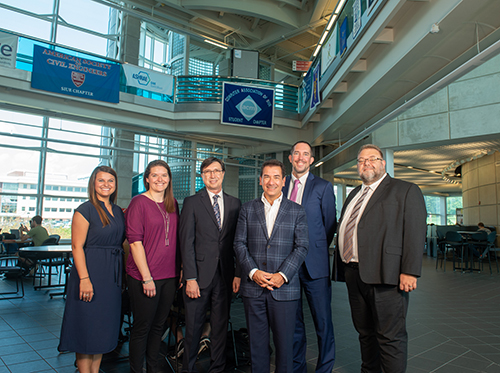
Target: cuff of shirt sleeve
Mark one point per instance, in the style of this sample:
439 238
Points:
284 277
252 273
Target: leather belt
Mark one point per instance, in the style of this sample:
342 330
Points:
353 265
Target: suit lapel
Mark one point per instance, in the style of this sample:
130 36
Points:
205 201
261 216
307 190
284 207
377 194
351 195
227 208
287 185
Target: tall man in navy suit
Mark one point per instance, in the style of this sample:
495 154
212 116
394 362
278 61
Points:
271 244
316 195
380 246
206 233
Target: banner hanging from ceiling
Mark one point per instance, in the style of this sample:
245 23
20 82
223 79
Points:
247 106
8 50
75 76
140 77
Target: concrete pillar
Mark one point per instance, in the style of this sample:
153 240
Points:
389 161
481 190
123 162
232 177
131 31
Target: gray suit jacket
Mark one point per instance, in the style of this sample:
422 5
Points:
391 233
284 251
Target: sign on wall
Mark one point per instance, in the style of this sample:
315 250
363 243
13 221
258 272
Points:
75 76
8 50
247 105
150 80
329 50
356 18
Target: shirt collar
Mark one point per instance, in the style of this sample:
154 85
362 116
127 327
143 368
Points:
266 202
375 184
211 195
302 179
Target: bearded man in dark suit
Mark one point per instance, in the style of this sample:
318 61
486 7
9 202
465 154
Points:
381 240
206 233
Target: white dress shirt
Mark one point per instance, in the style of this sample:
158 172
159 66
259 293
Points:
347 215
300 187
271 212
220 201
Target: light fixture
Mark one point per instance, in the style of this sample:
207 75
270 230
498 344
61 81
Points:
214 43
325 34
333 17
339 6
318 47
318 164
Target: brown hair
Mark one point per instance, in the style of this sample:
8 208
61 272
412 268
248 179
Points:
273 163
207 162
301 142
93 195
371 146
168 194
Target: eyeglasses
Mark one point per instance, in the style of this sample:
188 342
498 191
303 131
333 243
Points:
370 160
208 172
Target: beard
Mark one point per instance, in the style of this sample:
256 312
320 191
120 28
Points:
370 175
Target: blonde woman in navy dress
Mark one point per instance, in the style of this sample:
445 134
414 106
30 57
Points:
153 265
91 320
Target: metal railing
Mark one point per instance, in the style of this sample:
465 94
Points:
202 88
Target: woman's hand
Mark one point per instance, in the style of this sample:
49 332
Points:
86 290
149 289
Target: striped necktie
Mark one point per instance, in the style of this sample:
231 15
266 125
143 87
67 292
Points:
349 228
217 211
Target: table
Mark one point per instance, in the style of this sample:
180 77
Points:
48 252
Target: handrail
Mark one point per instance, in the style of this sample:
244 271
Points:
188 88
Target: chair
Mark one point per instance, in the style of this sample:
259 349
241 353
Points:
453 241
10 269
478 248
51 260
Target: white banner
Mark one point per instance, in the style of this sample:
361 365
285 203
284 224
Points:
8 50
149 80
356 18
329 50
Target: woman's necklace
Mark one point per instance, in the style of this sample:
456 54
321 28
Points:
166 219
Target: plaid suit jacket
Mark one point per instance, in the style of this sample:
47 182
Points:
284 251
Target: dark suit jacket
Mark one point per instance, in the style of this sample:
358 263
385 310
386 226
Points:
284 251
391 233
319 202
202 245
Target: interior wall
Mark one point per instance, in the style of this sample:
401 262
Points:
481 191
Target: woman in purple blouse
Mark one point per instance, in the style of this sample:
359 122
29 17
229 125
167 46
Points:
153 265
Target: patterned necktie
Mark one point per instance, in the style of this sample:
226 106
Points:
293 195
217 211
349 228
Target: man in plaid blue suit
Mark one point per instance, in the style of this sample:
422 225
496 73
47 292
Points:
271 244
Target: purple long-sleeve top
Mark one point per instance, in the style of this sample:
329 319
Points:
145 223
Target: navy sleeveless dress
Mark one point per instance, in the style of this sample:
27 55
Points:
93 327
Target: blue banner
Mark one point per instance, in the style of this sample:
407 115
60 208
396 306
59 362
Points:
247 105
306 88
315 98
62 73
343 36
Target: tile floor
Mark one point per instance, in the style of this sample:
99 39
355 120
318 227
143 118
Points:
453 324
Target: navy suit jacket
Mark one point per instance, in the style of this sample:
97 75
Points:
284 251
318 200
391 233
203 247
